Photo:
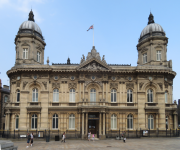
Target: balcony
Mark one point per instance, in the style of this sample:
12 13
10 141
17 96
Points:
34 106
151 106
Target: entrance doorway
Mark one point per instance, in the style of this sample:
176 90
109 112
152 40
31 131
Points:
93 122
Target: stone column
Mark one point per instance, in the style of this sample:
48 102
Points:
83 91
28 120
82 125
80 91
157 121
106 93
79 121
175 120
99 123
103 123
8 120
39 119
86 124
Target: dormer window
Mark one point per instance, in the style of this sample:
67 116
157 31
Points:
158 55
38 56
25 53
144 58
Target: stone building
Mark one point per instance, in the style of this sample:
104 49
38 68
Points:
4 97
93 95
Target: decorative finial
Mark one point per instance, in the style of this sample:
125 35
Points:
151 18
48 60
68 61
31 16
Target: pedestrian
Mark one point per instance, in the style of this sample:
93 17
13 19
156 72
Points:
64 137
93 137
89 136
32 137
124 136
28 140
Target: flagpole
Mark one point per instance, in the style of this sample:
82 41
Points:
93 34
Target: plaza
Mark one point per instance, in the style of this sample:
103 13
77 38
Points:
131 144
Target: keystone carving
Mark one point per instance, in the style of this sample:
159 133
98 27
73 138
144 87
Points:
45 84
161 86
129 85
113 85
72 85
140 85
24 84
55 85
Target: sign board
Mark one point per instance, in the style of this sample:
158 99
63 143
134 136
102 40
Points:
22 135
145 132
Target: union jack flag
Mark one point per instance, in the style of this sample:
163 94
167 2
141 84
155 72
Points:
91 27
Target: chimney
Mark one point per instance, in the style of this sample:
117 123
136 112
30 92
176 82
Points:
6 87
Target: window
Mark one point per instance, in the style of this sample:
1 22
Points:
72 121
113 121
18 95
34 121
166 122
55 95
113 95
25 53
130 121
150 122
55 121
158 55
93 95
17 122
5 99
166 97
150 95
144 58
35 95
72 95
38 56
129 95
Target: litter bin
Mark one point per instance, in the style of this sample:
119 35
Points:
57 138
47 138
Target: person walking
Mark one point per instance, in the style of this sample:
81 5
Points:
93 137
32 137
64 137
89 136
28 140
124 136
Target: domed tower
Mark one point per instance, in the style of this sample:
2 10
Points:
152 45
30 43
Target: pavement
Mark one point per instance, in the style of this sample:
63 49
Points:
172 143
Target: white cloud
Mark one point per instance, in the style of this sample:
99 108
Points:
23 6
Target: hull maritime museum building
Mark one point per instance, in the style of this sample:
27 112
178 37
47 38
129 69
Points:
93 95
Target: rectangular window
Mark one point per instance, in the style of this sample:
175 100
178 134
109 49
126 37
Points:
166 97
38 56
25 53
144 58
158 55
17 122
18 97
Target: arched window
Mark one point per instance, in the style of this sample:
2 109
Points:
55 121
5 98
72 95
93 95
130 121
35 95
129 95
166 122
113 95
150 122
17 122
113 121
72 121
34 121
166 97
55 95
38 56
150 95
18 95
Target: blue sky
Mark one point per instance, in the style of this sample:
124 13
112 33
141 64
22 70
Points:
64 24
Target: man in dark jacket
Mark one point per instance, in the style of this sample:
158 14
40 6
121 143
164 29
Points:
28 140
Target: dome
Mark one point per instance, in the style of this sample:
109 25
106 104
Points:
30 25
152 29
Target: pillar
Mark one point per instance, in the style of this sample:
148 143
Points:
79 91
83 90
86 123
157 121
27 120
82 125
175 121
39 119
103 123
99 123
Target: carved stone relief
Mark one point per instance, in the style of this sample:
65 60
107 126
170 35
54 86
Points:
93 66
24 84
43 75
27 75
45 84
72 85
140 85
89 82
161 86
129 85
18 84
113 85
55 85
166 85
